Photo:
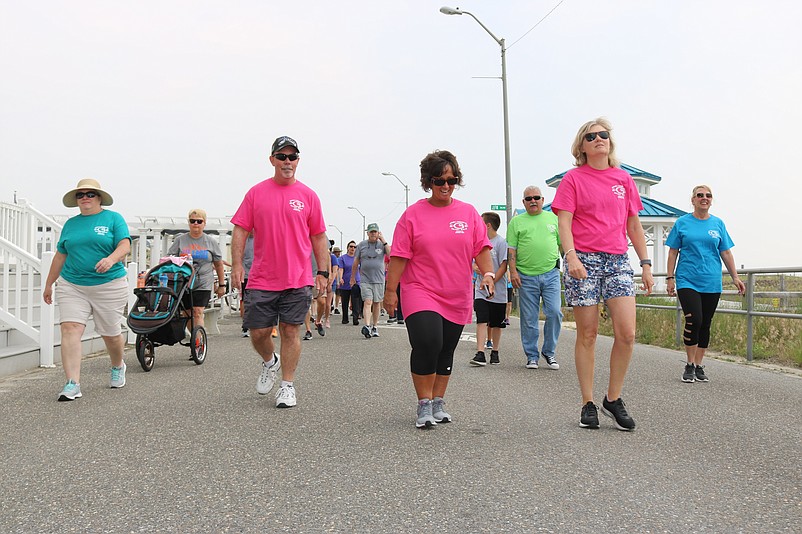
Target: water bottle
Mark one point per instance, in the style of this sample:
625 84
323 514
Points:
163 280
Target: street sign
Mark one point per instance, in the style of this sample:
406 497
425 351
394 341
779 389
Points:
498 207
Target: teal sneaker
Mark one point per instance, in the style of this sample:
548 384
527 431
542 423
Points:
118 376
70 392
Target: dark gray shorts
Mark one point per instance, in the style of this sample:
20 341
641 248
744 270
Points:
264 309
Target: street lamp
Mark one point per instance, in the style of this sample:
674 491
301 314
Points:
508 179
364 224
406 187
341 234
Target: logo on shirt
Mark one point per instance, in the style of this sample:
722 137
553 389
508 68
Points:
102 230
714 234
297 205
619 191
459 227
552 228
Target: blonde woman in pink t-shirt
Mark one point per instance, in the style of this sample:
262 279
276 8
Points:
597 207
435 243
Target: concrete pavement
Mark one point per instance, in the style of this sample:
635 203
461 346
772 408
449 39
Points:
189 448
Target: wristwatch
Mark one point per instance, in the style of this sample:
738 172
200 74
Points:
324 274
645 262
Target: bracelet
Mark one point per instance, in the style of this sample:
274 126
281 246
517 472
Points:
669 277
570 250
491 275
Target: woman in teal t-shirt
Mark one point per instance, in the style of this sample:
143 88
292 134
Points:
701 241
91 281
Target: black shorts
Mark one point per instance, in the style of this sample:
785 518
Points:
200 298
492 313
243 289
264 309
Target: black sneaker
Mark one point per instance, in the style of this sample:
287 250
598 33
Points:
690 373
356 321
400 321
589 417
345 320
365 331
618 412
308 335
336 311
494 357
320 329
479 359
700 374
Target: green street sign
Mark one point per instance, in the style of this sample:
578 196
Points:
498 207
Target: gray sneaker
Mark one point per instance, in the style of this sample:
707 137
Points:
438 411
72 391
425 418
118 376
267 376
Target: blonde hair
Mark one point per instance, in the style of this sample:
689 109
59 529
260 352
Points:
698 187
197 213
580 158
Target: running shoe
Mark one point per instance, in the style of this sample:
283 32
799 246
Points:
118 376
267 376
700 374
494 357
618 411
374 332
308 335
488 344
245 333
70 392
589 417
479 360
690 373
320 329
285 397
425 417
438 411
365 331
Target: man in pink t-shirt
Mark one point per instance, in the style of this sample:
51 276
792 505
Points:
287 223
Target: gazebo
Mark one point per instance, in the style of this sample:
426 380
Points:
656 217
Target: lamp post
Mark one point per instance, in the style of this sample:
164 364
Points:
341 234
364 224
406 187
507 175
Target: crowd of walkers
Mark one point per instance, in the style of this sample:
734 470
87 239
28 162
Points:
446 262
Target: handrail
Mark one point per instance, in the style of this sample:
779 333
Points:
751 310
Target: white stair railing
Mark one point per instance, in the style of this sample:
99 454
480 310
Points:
28 228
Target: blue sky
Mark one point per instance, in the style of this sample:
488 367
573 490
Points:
174 104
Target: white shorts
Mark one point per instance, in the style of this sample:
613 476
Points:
105 303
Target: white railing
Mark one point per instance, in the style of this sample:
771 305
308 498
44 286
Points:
22 297
28 228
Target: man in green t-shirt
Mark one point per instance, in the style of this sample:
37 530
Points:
534 264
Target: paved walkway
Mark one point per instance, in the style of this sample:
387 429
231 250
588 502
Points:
189 448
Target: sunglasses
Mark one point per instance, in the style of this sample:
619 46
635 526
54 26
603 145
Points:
89 194
196 221
351 246
533 197
703 195
592 135
442 181
282 157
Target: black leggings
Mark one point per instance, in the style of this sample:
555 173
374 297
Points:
345 300
698 309
433 341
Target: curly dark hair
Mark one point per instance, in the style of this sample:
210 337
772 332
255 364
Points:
433 166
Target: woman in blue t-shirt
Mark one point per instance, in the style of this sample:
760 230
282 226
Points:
92 281
701 241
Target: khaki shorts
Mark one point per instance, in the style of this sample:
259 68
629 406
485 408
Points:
105 303
372 292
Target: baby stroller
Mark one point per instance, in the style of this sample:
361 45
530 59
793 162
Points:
157 317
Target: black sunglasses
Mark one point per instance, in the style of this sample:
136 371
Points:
443 181
703 195
533 197
282 157
89 194
196 221
592 135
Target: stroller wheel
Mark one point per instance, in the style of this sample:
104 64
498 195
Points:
145 352
198 344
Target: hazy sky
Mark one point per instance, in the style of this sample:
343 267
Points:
174 104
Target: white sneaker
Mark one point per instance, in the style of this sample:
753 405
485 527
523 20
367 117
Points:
531 364
285 397
118 376
267 376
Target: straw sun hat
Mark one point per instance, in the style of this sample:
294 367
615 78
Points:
70 201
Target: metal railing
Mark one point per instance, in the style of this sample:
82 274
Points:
752 309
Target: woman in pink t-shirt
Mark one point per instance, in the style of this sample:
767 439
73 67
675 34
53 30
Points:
435 243
597 207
